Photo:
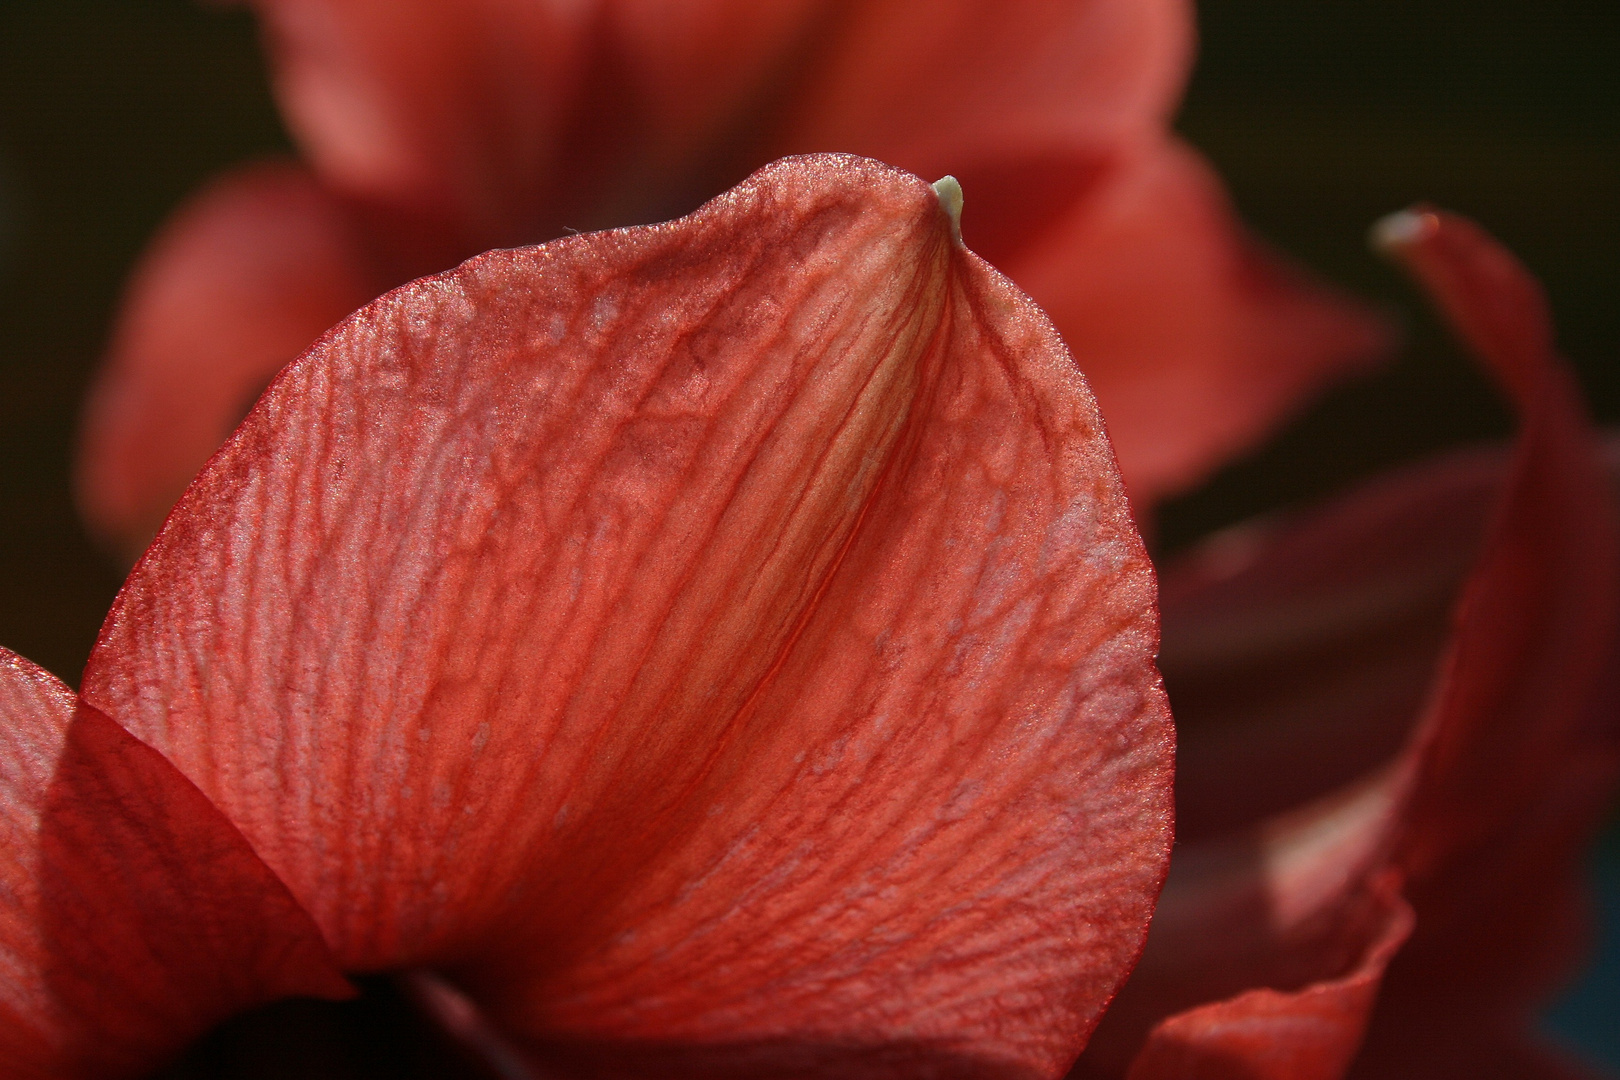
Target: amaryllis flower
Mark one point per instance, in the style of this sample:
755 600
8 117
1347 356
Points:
434 130
714 648
723 649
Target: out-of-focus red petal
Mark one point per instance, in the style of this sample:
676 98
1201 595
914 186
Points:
724 640
507 121
1296 901
1521 751
1311 1033
240 282
132 915
1513 751
499 122
1299 650
952 85
1197 340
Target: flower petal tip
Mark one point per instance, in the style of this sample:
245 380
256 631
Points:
950 200
1402 229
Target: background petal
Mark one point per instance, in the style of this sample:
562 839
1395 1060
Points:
1198 340
1514 750
1299 650
132 915
1311 1033
507 121
933 85
501 122
239 282
723 638
1521 751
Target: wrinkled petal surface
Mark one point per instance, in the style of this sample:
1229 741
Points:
242 280
724 642
133 916
1512 750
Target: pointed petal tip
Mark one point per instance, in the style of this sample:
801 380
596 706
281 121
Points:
950 200
1394 232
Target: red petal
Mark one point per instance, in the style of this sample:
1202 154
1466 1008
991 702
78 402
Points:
1521 751
1307 1034
728 634
1197 340
1499 787
1298 901
132 915
496 122
950 84
504 121
238 283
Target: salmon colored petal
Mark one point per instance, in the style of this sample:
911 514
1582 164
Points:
497 122
1513 754
132 915
724 639
1197 340
239 282
950 84
1311 1033
507 121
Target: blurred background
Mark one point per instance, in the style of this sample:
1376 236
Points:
1321 114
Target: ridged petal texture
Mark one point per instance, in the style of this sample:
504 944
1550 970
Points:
1405 699
133 916
439 130
717 645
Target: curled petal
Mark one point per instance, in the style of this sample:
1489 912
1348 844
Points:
133 916
1311 1033
1519 755
1511 750
240 282
723 641
1298 901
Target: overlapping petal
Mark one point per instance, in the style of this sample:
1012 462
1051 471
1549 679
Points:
721 643
133 916
1499 784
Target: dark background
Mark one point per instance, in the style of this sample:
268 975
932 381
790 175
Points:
1322 115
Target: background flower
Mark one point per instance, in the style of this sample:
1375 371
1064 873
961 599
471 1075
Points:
429 132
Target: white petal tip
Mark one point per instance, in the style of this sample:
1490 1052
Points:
950 200
1402 229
